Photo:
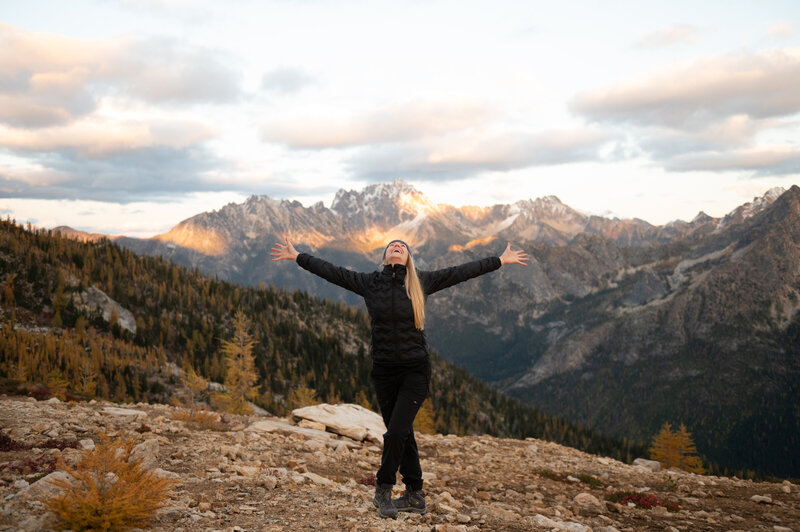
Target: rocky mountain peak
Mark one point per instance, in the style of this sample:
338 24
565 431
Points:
382 204
752 208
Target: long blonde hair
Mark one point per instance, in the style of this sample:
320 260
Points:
414 292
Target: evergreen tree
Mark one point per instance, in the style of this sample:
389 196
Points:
424 421
675 448
240 368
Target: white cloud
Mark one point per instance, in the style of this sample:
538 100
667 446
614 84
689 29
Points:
456 156
392 123
759 85
708 114
48 79
781 160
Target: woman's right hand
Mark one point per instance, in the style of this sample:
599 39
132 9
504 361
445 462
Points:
284 251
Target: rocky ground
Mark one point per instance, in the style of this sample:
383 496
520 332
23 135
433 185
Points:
252 474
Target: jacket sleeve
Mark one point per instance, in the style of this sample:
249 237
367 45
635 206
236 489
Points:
353 281
447 277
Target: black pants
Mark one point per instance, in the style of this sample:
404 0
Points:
401 390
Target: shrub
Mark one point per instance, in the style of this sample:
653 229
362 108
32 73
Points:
201 420
643 500
589 479
109 490
368 481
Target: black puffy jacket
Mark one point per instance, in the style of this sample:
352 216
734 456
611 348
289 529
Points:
395 338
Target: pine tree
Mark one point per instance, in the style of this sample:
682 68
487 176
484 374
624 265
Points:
196 385
424 423
240 375
675 448
302 396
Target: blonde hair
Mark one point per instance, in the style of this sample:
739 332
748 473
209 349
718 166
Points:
414 292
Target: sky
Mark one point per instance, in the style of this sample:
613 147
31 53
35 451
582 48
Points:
128 116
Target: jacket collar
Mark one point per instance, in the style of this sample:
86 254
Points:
398 270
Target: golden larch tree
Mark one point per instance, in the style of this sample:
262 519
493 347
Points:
675 448
424 422
240 367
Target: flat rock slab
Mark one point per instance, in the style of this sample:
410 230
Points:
287 429
115 411
353 421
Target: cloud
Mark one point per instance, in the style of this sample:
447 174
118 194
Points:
48 79
678 34
394 123
460 156
286 80
784 160
99 137
147 173
708 114
762 85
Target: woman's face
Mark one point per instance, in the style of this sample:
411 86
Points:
396 253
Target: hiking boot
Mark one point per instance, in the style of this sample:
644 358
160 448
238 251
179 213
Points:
383 502
412 501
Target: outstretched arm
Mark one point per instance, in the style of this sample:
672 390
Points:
337 275
447 277
284 251
513 257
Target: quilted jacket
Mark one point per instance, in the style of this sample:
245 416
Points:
395 338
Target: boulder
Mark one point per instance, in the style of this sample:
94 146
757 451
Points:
287 429
147 453
652 465
123 412
45 487
353 421
586 502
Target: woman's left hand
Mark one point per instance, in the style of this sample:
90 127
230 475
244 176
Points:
513 257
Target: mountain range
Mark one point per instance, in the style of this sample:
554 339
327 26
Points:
616 324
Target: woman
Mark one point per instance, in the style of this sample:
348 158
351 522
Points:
401 368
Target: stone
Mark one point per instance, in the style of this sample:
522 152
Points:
87 444
53 401
313 446
45 487
147 453
786 488
246 471
163 473
287 429
778 528
651 465
351 420
269 482
588 502
308 424
123 412
763 499
543 521
317 479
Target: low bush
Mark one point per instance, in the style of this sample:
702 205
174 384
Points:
643 500
108 490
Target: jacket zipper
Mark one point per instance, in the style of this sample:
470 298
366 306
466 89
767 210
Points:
394 317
